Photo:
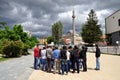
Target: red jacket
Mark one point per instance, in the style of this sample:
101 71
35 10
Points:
36 52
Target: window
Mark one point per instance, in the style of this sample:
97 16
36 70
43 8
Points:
118 22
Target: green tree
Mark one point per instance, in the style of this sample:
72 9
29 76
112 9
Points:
91 31
9 34
2 24
15 42
32 41
18 29
57 32
49 39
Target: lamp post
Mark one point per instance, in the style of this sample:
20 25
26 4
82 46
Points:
117 48
93 47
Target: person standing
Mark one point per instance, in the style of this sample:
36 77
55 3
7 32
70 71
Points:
70 64
76 53
49 58
97 55
64 56
43 57
40 60
84 58
36 56
56 57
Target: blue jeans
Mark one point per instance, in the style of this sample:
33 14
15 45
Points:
44 61
77 65
80 63
98 63
36 60
69 65
40 61
64 66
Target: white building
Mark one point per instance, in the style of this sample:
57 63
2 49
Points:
112 24
68 37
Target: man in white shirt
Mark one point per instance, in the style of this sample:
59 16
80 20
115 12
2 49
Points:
43 57
68 59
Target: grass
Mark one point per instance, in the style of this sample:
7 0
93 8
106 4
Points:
3 59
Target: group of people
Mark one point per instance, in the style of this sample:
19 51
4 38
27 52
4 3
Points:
63 60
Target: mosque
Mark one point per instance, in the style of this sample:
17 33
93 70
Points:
72 37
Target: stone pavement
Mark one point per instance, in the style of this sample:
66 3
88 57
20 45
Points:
17 68
110 70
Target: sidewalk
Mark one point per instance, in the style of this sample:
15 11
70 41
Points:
110 70
17 68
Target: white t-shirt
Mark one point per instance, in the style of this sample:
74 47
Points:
68 55
43 54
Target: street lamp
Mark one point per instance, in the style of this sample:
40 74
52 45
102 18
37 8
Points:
93 47
117 48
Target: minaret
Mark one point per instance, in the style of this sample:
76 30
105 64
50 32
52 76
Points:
73 26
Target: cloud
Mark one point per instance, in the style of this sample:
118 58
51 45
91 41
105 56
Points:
38 16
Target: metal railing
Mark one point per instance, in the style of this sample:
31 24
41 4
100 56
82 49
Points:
107 49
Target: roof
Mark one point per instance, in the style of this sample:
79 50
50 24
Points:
112 14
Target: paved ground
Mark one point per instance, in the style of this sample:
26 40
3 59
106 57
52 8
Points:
17 68
22 69
110 70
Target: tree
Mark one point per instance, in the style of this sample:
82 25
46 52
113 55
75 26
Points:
57 32
15 42
49 39
91 31
2 24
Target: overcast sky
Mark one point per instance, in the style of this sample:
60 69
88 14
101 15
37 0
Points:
39 15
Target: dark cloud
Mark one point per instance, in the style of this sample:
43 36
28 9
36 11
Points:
39 15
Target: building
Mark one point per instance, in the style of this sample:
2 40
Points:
43 40
103 42
112 25
72 37
68 38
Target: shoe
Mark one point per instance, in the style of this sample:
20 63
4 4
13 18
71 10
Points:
59 72
84 70
37 69
97 69
73 72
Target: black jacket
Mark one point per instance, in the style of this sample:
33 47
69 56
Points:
63 54
76 53
97 52
82 54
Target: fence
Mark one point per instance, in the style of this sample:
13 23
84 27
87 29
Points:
107 49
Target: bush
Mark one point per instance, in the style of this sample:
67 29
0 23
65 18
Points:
3 43
25 50
15 42
12 48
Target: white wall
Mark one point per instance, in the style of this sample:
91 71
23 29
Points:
112 23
